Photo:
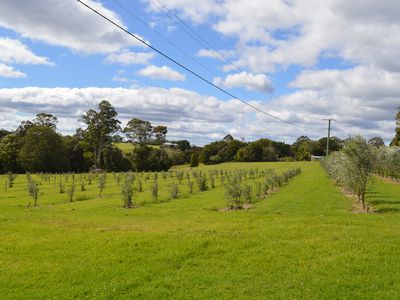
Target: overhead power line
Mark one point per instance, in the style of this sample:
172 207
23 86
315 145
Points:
139 19
186 68
200 40
131 13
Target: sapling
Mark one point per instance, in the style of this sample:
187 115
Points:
33 191
127 192
212 181
101 182
233 192
190 186
61 187
246 193
259 194
154 190
179 176
174 190
140 186
202 182
71 192
10 178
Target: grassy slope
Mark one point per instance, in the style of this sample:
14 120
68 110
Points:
128 147
302 242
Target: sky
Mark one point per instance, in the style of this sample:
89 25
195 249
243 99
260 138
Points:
302 61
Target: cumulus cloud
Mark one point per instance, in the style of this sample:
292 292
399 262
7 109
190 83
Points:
202 118
14 51
161 73
129 58
279 33
65 23
8 71
187 114
249 81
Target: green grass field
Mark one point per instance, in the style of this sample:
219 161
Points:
302 242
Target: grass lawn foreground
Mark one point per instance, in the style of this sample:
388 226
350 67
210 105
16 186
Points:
302 242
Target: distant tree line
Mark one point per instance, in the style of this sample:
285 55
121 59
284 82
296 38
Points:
37 146
230 149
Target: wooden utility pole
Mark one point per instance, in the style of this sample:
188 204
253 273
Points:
329 134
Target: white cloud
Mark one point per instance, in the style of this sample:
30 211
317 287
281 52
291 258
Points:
186 113
249 81
14 51
161 73
201 118
276 34
197 11
219 54
367 83
65 23
129 58
8 71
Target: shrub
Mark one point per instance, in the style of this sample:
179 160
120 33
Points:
202 182
194 160
233 192
174 190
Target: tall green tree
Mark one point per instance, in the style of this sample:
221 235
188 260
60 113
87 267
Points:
9 148
396 139
160 134
101 125
139 131
42 150
45 119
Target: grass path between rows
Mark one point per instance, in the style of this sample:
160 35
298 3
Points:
302 242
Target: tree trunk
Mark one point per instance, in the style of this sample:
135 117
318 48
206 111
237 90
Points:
98 158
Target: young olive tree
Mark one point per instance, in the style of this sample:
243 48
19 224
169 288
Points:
33 191
352 167
102 182
127 192
360 164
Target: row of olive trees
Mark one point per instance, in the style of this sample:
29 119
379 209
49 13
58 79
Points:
352 167
387 162
241 189
182 179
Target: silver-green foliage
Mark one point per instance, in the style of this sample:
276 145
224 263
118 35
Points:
352 167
